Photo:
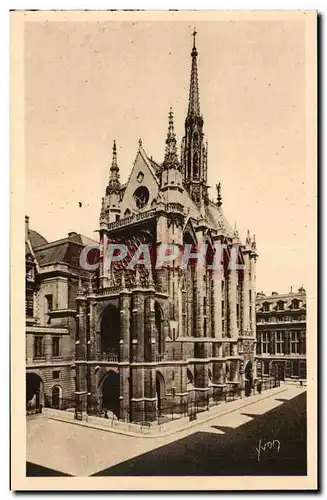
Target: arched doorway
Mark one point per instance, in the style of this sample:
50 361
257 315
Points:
56 397
159 327
111 393
110 333
34 391
160 391
281 371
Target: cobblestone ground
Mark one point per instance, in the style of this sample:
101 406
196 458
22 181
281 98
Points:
226 445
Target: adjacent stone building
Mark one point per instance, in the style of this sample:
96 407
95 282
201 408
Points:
148 337
281 335
52 276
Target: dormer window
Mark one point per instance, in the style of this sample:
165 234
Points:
266 307
295 304
280 305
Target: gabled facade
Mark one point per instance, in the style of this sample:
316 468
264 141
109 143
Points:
52 274
149 336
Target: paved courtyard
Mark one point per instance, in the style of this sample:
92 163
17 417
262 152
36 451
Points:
265 437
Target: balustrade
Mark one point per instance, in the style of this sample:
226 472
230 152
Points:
111 356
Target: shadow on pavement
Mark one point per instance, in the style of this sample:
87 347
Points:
237 452
33 470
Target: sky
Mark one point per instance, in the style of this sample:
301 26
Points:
88 83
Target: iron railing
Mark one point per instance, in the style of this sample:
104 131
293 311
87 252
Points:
167 410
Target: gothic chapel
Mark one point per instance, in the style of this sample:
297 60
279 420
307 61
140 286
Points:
149 339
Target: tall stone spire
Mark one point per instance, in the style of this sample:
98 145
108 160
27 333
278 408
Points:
114 183
194 101
171 156
194 148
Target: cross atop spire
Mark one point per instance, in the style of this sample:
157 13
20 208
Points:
194 35
194 102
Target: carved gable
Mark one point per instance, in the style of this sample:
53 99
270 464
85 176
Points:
142 186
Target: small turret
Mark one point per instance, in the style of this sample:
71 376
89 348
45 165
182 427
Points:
254 243
113 192
171 175
236 234
219 197
114 183
248 238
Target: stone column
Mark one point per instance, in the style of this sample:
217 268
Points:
92 393
253 292
137 393
199 301
233 349
218 378
91 351
149 326
137 370
150 400
189 303
101 257
246 295
125 302
201 381
217 298
175 295
92 348
124 392
47 347
106 269
80 359
138 326
231 295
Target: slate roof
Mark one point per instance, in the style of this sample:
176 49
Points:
36 238
66 250
217 220
156 167
287 298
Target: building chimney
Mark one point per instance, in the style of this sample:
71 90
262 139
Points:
27 226
72 234
291 289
